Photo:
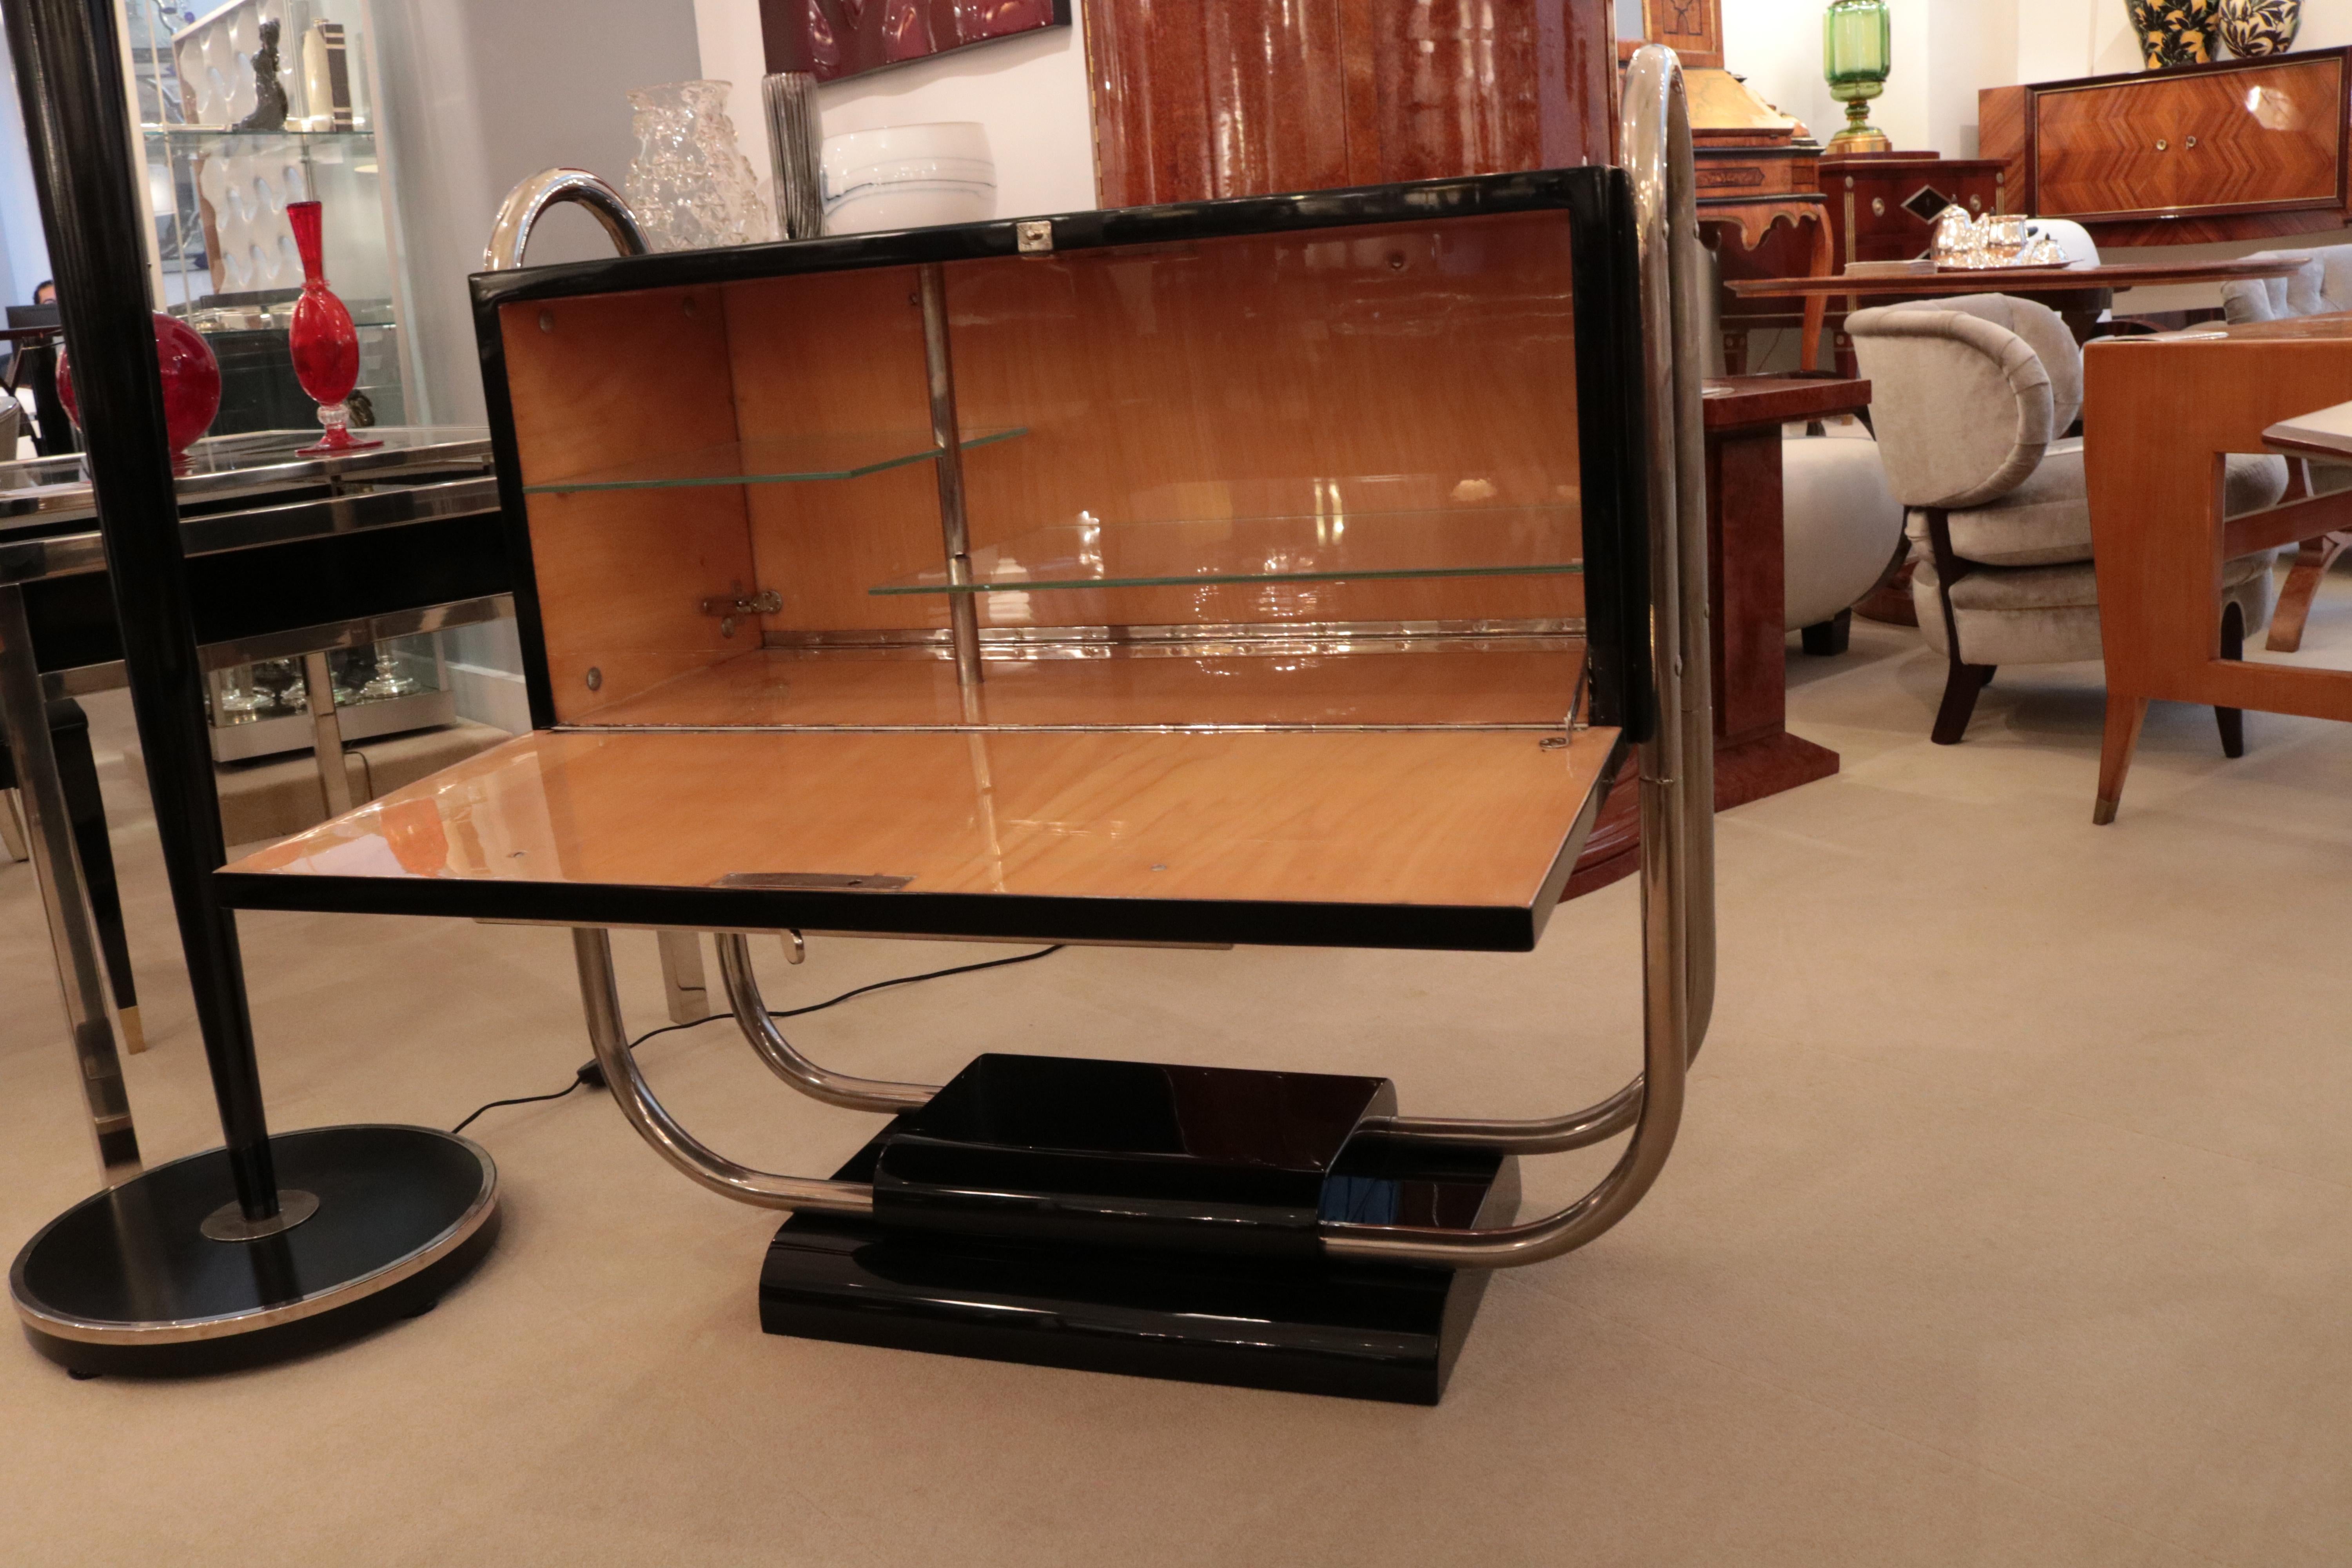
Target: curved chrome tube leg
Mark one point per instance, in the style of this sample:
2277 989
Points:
1546 1135
816 1082
532 197
600 995
1677 761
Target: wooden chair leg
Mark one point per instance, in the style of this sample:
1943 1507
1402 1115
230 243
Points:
1960 688
1964 680
2125 717
2311 564
1827 639
2232 721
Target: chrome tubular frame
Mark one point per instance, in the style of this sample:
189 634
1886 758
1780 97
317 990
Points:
786 1063
1677 777
1677 800
600 995
531 198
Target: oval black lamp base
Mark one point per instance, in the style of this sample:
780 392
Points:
129 1282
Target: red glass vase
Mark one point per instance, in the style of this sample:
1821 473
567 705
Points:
325 344
192 385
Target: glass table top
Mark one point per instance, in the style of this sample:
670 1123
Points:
58 489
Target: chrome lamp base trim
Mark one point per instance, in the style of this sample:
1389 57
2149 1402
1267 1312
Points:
129 1282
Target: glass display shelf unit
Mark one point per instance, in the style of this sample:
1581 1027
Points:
1485 541
221 135
384 687
784 460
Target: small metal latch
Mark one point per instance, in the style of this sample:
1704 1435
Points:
1035 236
766 602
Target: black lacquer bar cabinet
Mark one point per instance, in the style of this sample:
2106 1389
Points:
1294 570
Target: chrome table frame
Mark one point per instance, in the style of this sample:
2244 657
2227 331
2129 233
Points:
24 687
1677 830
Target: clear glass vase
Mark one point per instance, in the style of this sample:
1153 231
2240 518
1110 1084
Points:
690 185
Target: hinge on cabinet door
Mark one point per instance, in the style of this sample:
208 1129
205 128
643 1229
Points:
1034 237
765 602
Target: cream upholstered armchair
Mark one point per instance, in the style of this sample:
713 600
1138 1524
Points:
2322 286
1968 396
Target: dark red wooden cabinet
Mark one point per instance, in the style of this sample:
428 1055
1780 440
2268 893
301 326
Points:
1240 98
1883 206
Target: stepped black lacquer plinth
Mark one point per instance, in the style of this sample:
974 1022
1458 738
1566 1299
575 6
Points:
1125 1217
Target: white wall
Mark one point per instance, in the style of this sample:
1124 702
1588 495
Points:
1030 91
24 252
1943 51
479 94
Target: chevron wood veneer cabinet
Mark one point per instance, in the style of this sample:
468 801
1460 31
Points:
2240 150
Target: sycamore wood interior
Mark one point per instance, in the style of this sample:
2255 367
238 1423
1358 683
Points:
1389 368
1425 368
1448 818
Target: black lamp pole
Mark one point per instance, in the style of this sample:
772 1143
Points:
69 61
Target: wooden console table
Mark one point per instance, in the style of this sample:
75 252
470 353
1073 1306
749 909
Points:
2167 408
1755 755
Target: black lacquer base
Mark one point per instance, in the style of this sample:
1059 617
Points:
1305 1325
125 1283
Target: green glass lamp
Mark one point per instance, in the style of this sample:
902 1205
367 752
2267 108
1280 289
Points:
1857 50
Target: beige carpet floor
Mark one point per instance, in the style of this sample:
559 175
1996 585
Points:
2010 1223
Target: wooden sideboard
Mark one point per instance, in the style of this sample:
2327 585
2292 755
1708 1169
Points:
2239 150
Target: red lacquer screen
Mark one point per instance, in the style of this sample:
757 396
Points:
834 39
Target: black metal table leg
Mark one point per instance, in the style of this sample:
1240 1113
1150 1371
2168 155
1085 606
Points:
131 1279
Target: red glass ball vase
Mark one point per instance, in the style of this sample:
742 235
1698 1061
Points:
191 384
325 345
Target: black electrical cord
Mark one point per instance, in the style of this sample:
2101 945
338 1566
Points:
592 1076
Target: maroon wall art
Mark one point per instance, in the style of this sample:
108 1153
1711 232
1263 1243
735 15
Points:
834 39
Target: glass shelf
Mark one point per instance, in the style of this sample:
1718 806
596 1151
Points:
203 134
1484 542
770 462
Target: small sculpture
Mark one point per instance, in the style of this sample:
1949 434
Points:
269 105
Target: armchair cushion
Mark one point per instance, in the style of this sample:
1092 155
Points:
1962 406
2322 285
2045 332
2046 521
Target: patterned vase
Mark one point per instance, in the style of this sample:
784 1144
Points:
2260 27
2173 32
690 185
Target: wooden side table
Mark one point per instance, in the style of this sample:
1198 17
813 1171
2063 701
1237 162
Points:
1755 755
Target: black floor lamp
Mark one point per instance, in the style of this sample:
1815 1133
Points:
268 1246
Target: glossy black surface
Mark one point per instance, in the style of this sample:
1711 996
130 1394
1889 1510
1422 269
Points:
70 78
1454 929
1124 1154
1607 369
1306 1325
281 587
134 1254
